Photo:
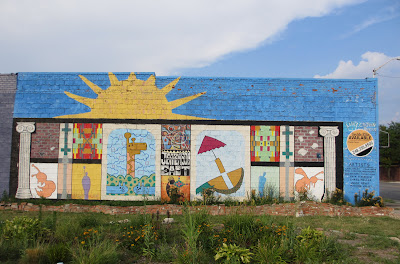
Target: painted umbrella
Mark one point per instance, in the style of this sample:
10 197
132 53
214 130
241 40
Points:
218 184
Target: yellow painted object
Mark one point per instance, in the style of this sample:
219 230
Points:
131 99
220 166
218 183
236 176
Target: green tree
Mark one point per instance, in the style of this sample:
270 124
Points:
389 157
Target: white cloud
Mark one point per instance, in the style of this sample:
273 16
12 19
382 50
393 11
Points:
385 14
160 36
388 81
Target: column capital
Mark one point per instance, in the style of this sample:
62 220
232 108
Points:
329 131
25 127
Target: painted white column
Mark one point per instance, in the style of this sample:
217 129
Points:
25 129
329 133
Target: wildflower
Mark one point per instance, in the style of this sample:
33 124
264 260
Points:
132 245
82 242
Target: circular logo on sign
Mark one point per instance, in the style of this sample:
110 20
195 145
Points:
360 143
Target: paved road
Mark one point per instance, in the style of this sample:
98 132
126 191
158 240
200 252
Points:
390 190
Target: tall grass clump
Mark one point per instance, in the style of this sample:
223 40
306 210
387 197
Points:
103 252
191 235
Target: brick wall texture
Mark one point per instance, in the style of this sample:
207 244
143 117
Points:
8 87
286 209
309 147
45 141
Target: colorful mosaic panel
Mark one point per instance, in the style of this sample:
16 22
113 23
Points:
175 137
87 141
308 146
265 143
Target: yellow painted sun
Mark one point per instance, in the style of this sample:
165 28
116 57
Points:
131 99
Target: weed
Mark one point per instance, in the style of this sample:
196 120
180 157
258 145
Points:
149 236
349 235
58 252
36 255
190 235
209 196
165 253
88 220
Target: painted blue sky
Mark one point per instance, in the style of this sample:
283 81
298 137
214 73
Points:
253 38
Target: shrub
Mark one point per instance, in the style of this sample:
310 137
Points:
337 198
233 254
368 199
310 236
21 228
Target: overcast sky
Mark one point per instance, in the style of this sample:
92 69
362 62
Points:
248 38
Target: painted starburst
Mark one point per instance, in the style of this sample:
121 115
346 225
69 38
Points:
131 99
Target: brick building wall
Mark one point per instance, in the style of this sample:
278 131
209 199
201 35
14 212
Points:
8 87
126 135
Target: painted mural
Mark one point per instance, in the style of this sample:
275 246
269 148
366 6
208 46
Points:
130 163
175 162
309 146
87 141
310 181
43 180
265 181
148 136
265 143
64 190
86 181
229 160
220 162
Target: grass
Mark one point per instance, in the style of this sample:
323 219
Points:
197 237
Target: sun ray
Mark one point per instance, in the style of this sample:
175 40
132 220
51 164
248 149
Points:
84 100
179 102
151 81
92 86
113 79
132 77
169 86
